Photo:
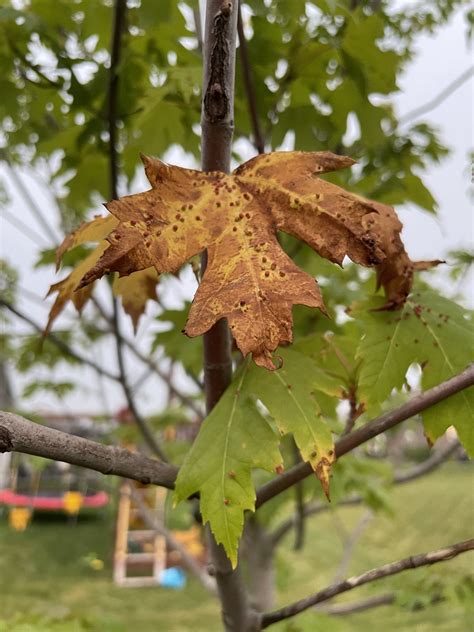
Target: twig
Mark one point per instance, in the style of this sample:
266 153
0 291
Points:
64 347
28 198
351 543
25 230
20 435
120 9
176 392
152 523
435 460
259 141
358 606
38 440
299 506
198 27
48 82
442 96
142 425
408 563
373 428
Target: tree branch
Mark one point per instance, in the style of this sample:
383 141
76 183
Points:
120 10
185 399
358 606
258 138
142 425
20 435
24 192
439 98
64 347
415 561
434 461
119 25
350 544
189 562
388 420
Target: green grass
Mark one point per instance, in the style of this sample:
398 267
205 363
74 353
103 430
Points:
46 584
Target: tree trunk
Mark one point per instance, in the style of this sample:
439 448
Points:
217 122
258 552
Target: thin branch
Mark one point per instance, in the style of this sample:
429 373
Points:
359 606
20 435
350 544
388 420
60 344
198 27
299 514
408 563
258 138
176 392
25 230
34 208
120 10
434 461
142 425
442 96
189 562
119 26
47 81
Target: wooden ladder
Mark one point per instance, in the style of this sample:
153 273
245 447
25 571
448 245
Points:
125 560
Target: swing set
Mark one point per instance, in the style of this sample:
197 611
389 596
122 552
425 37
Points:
55 488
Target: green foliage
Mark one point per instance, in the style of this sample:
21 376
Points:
431 331
335 60
8 282
233 439
236 438
58 389
35 350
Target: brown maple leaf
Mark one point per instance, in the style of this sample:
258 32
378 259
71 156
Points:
249 278
395 273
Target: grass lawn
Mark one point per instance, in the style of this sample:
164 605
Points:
46 584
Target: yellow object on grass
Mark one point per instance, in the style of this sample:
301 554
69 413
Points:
19 518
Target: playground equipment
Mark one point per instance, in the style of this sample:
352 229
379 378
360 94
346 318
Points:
49 487
142 557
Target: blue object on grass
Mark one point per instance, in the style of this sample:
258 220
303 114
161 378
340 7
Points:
173 577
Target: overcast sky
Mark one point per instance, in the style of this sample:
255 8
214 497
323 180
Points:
440 60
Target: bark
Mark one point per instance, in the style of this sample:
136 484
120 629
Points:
217 129
258 553
20 435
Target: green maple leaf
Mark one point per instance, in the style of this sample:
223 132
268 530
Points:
236 438
431 331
